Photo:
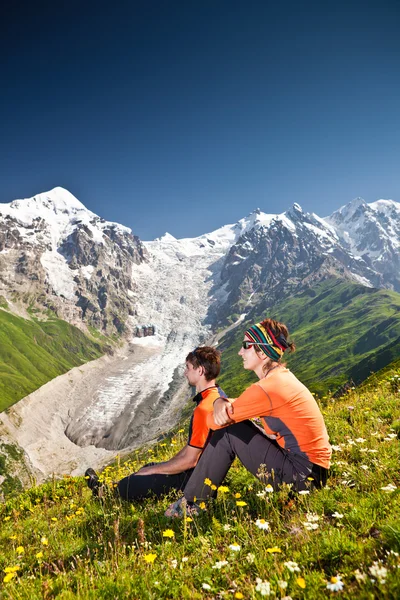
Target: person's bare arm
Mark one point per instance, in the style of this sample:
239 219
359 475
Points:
185 459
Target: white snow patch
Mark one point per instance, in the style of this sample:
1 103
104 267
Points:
59 274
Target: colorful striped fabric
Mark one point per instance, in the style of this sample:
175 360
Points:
267 341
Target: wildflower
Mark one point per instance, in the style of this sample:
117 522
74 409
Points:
185 558
360 440
269 489
219 564
304 492
262 524
168 533
389 488
336 584
234 547
239 595
360 576
227 527
337 515
202 505
264 587
205 586
365 467
238 495
174 563
241 503
378 571
12 569
7 518
292 566
20 550
274 550
261 494
213 487
208 481
301 582
337 448
223 489
150 558
39 555
250 558
189 520
312 517
181 430
8 577
310 526
13 537
282 584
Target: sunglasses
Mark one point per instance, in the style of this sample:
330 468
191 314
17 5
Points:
246 345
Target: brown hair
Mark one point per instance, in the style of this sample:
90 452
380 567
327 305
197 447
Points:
207 357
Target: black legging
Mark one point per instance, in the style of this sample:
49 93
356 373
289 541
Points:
257 452
137 487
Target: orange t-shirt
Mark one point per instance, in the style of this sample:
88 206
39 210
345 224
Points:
289 414
199 431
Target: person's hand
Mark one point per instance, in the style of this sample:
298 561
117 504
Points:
223 412
146 471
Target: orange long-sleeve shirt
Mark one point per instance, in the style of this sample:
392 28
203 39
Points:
289 414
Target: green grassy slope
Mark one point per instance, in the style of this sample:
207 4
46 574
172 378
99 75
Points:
342 331
57 542
33 352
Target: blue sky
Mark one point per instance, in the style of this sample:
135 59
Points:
184 116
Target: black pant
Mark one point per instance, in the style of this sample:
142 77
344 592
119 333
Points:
259 454
137 487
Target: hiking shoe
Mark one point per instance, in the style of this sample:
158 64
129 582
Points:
92 479
182 507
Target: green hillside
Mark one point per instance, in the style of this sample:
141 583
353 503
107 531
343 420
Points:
342 331
57 542
32 352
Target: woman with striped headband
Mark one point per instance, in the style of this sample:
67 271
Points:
292 447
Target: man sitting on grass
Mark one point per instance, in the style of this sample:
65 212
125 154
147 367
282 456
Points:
202 368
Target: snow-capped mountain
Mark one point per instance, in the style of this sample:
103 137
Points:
68 259
55 251
372 232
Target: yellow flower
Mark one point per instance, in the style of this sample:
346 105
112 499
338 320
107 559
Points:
202 505
238 495
181 430
150 558
13 537
269 488
239 595
39 555
274 550
9 576
7 518
241 503
168 533
54 519
44 541
208 481
20 550
213 487
12 569
189 520
301 582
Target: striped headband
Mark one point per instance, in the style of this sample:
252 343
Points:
276 345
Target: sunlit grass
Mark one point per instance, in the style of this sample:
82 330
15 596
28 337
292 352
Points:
59 542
